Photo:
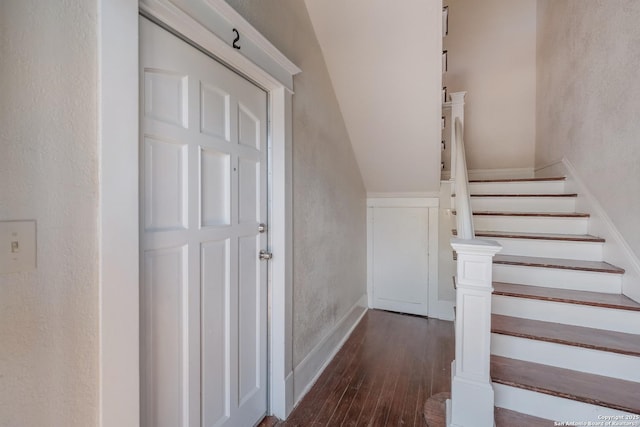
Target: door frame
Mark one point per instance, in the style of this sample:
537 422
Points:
118 222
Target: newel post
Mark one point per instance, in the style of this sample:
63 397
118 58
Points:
457 111
471 402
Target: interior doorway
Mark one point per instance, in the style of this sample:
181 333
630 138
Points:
118 67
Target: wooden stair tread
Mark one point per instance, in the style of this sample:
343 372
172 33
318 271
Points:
507 418
541 236
526 195
556 178
577 336
565 264
537 236
588 388
533 214
596 299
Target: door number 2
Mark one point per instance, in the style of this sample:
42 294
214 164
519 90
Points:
236 40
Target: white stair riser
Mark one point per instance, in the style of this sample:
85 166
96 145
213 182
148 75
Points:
588 251
523 204
550 407
531 187
531 224
558 278
571 314
575 358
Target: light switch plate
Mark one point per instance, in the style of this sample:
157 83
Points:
17 246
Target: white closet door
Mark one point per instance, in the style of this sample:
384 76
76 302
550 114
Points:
400 259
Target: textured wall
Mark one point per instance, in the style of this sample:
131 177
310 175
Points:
329 206
589 100
492 55
48 172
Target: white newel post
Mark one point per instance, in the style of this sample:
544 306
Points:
471 402
457 111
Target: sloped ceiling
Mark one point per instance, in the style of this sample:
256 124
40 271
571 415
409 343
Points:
384 59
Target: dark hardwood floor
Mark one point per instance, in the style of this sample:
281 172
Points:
382 376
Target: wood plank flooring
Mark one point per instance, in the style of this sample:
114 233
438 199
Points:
383 374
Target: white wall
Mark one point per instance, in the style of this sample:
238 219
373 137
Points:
49 172
384 61
492 55
589 98
329 210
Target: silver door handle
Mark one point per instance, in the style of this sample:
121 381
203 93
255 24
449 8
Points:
262 228
264 255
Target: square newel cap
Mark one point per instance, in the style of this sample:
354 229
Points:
475 246
457 97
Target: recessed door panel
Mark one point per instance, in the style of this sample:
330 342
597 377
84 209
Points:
165 184
249 315
166 96
249 197
216 332
215 187
164 341
248 128
215 114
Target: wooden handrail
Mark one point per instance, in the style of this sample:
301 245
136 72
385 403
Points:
464 215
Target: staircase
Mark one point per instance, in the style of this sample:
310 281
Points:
565 342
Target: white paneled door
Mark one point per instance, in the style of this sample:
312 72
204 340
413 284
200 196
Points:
203 172
400 258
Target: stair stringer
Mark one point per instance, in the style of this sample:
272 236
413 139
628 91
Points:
616 249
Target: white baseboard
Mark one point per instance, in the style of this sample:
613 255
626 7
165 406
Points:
501 173
403 202
552 169
290 403
494 173
309 370
404 195
442 309
616 249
